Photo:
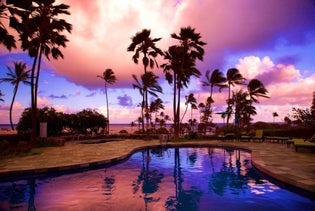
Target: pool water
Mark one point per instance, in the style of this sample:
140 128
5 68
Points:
157 179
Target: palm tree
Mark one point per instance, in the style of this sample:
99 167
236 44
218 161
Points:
233 77
181 65
109 78
256 89
143 43
155 107
15 77
40 33
274 114
149 83
6 39
216 79
190 100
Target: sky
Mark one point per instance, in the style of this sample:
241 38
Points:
273 41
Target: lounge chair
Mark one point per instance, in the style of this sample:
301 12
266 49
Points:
305 143
277 139
226 136
259 136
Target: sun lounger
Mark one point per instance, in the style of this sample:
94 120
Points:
259 136
301 143
226 136
277 139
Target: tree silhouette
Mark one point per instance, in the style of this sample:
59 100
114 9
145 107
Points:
148 83
40 33
19 74
181 65
216 79
109 78
233 77
274 114
143 43
6 39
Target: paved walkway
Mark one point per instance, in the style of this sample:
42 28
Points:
277 160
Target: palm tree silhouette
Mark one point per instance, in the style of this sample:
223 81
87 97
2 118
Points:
274 114
256 89
143 43
40 33
233 77
148 83
190 100
6 39
109 78
19 74
216 79
181 65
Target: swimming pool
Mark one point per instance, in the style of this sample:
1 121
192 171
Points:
204 178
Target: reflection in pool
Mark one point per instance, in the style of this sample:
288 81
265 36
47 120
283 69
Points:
157 179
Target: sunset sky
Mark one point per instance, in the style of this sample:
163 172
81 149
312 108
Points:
273 41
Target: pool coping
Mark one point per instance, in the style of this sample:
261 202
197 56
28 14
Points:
256 161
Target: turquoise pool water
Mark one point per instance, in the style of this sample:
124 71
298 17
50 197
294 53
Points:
157 179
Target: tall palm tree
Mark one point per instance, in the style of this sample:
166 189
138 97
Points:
216 79
143 43
233 77
155 107
109 78
181 65
19 74
40 33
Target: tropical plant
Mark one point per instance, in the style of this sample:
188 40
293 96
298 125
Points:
256 89
274 114
233 77
181 65
143 43
109 78
19 74
155 107
6 39
216 79
190 100
148 83
40 33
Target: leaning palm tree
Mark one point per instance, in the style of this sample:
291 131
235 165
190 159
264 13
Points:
109 78
233 77
19 74
216 79
40 33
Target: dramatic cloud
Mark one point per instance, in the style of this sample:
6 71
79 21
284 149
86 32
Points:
102 31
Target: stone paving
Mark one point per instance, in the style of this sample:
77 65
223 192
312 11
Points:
276 160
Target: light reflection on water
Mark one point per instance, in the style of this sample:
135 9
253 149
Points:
157 179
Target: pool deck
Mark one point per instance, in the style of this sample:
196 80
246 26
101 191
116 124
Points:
274 159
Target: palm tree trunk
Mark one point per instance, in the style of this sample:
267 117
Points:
33 108
174 107
11 106
107 108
